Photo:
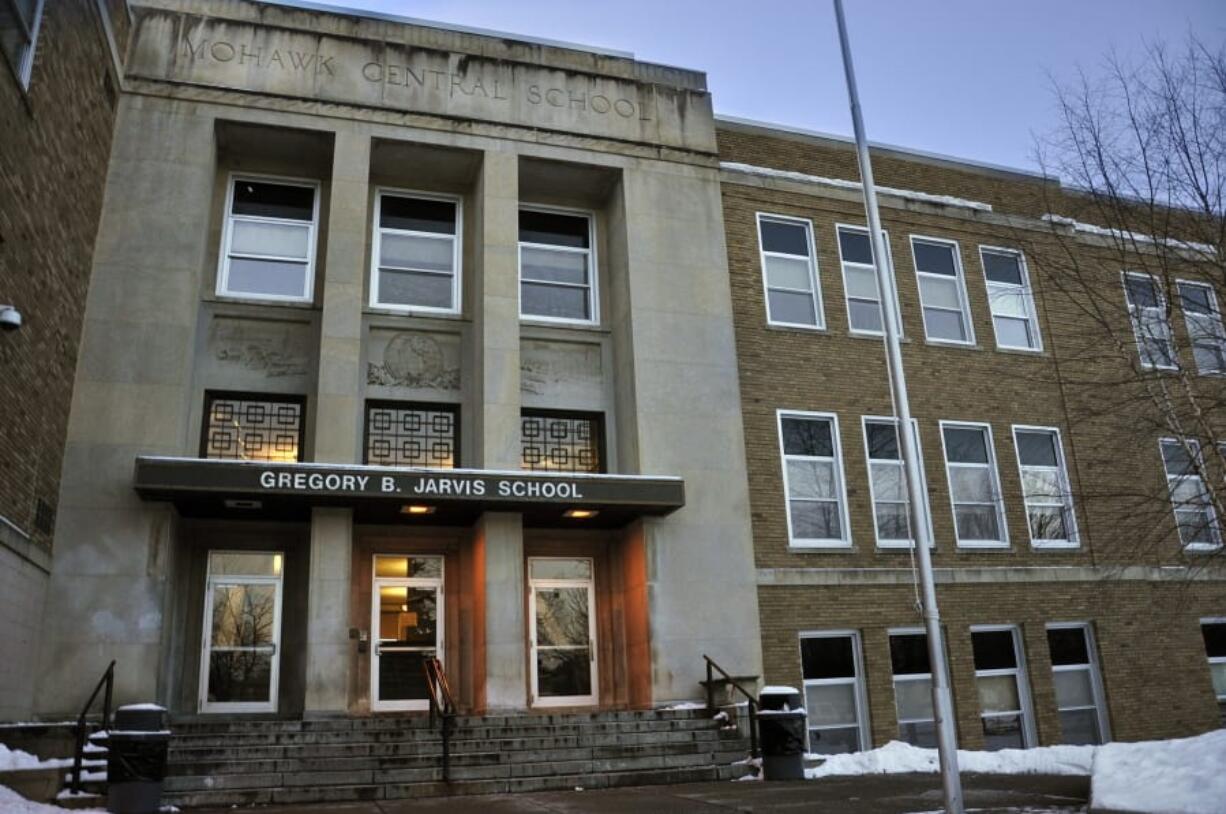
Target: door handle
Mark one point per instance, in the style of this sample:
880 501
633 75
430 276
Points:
591 651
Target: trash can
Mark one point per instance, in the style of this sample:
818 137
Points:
136 763
781 733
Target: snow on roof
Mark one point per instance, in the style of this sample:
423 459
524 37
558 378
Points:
843 183
1138 237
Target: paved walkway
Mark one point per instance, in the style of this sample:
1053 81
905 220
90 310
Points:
880 794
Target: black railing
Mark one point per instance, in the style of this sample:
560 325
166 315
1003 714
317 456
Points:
442 707
712 667
107 681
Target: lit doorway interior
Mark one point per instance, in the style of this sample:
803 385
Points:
406 604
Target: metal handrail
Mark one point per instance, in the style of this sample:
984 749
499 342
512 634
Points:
108 681
442 705
753 701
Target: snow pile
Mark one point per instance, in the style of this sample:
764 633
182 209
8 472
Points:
843 183
1183 776
13 803
15 759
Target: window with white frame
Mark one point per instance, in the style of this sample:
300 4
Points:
913 688
1014 318
1204 321
1194 515
789 272
1214 633
416 255
942 290
1004 697
974 485
865 314
19 24
557 266
1045 487
813 479
834 692
1075 678
268 244
887 482
1147 310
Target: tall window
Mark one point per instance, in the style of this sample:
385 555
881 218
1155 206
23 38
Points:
1079 696
834 692
864 312
19 22
887 482
252 427
789 271
1204 321
1214 633
1004 697
1147 310
913 688
268 244
1045 486
1194 515
423 435
942 290
813 479
416 253
1014 318
974 486
562 442
557 266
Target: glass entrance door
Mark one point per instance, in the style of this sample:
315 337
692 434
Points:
407 625
563 630
240 665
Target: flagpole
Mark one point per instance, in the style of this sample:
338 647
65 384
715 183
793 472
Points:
942 700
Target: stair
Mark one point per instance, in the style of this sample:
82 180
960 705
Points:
224 763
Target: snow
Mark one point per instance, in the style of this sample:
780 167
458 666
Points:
13 803
15 759
843 183
775 689
143 708
1138 237
684 705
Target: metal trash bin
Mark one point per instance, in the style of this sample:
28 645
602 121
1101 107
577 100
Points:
136 764
781 731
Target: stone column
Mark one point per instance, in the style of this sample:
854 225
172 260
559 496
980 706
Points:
497 401
338 411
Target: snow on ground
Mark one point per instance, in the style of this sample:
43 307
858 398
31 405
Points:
1156 777
12 759
13 803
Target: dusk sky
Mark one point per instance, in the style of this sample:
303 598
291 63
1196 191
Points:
963 77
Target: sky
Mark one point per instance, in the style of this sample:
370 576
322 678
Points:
969 78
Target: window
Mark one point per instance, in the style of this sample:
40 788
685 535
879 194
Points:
557 266
1079 695
562 442
887 482
1004 698
789 271
1214 633
1045 486
913 688
1147 310
1194 515
834 692
416 253
268 245
813 479
974 488
1204 321
1011 299
19 22
252 427
423 435
942 291
864 312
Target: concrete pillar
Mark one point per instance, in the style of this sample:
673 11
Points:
500 534
328 645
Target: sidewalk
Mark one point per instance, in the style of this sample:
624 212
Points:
875 794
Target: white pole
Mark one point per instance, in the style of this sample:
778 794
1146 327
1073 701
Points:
942 701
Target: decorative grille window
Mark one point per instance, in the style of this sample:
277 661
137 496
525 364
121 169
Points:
423 435
562 442
253 427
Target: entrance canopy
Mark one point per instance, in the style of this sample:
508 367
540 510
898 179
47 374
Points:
378 494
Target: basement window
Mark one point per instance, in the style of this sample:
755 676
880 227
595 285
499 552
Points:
268 245
1214 633
834 692
1004 697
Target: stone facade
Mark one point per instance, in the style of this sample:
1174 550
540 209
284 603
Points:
53 161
